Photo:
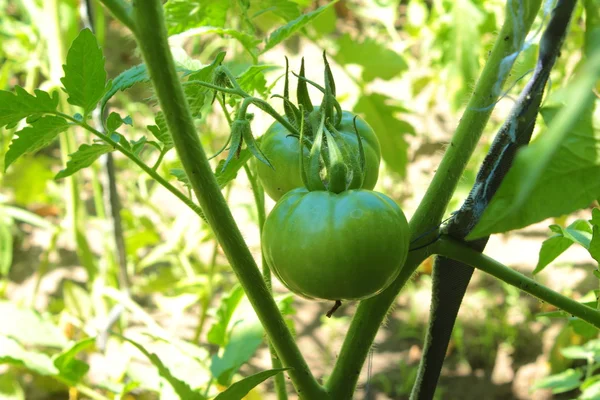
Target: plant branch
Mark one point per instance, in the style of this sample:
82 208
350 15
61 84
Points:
152 39
155 175
371 312
454 249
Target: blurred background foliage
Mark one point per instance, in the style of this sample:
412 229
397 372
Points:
407 66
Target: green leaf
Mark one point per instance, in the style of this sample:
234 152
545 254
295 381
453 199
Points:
218 331
85 77
125 80
12 352
248 41
239 389
20 104
29 326
376 59
379 112
551 248
253 79
205 74
35 137
181 176
84 157
70 368
557 173
115 121
181 15
284 32
246 336
161 131
224 176
562 382
183 390
196 97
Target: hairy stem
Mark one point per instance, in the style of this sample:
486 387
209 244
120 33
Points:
152 39
459 251
370 313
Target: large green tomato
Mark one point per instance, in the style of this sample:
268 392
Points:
283 153
346 246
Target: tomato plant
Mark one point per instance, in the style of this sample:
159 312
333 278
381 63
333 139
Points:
346 246
282 151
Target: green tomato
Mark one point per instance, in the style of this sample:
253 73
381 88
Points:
346 246
283 153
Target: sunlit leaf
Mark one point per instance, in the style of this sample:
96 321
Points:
85 76
35 137
562 382
557 173
183 390
20 104
218 333
182 15
376 60
239 389
380 112
12 352
284 32
70 368
84 157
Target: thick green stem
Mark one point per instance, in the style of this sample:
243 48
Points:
458 251
151 35
370 313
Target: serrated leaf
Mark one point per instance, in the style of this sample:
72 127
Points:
377 60
85 76
12 352
162 134
557 173
248 41
125 80
284 32
224 176
239 389
20 104
115 121
83 157
35 137
181 15
181 176
218 331
253 79
379 112
205 74
196 97
183 390
70 368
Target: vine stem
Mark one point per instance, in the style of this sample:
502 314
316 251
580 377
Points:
149 170
151 35
371 312
459 251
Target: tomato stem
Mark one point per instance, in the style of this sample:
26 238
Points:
151 35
